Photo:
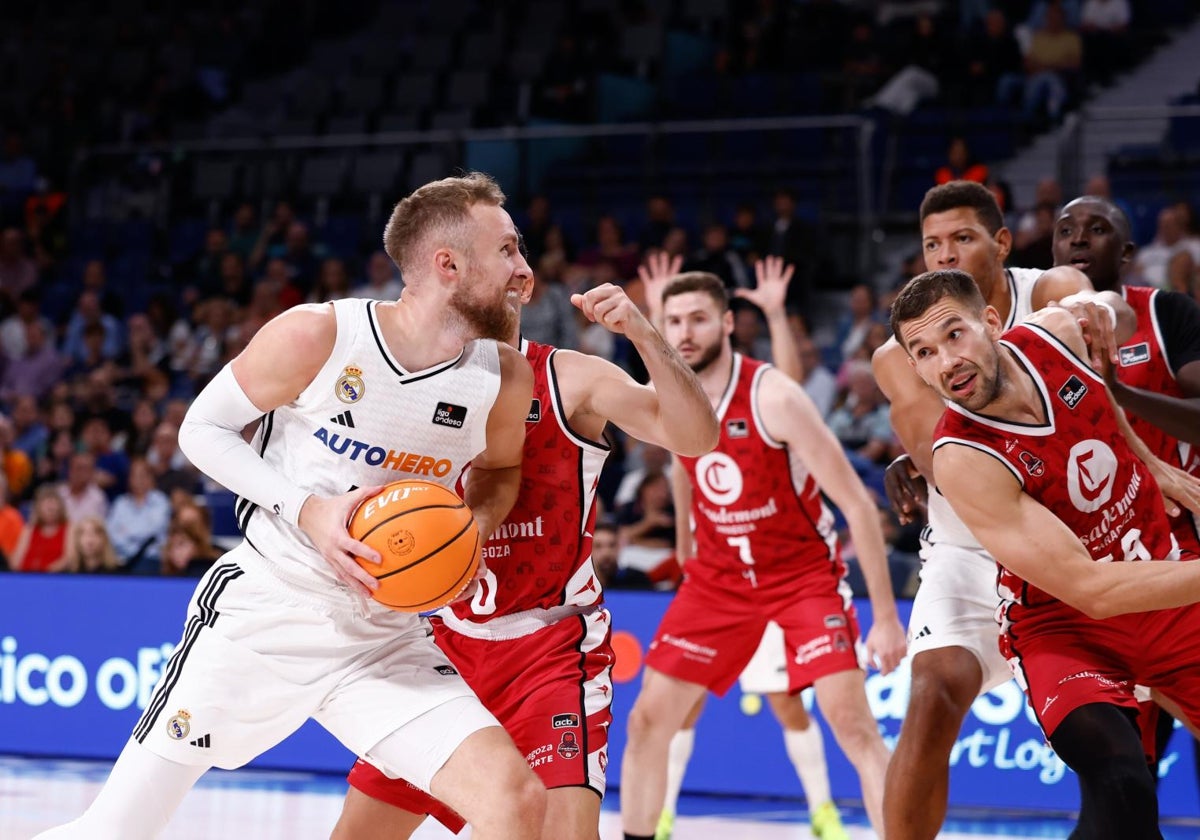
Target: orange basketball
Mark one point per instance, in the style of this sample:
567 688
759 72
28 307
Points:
427 541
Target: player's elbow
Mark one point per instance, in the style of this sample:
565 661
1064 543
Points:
695 438
1092 599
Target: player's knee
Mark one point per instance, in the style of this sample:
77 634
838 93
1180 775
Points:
644 723
1122 781
515 808
940 696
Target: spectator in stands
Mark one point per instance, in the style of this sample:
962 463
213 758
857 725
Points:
1039 12
1151 262
819 382
43 541
853 325
301 255
605 549
95 279
144 352
273 234
924 63
647 530
862 425
1052 64
17 271
1031 222
549 317
747 237
171 467
333 282
563 91
189 549
46 225
12 523
994 67
749 336
960 165
1032 245
1105 28
203 271
284 292
243 230
112 465
30 434
234 284
143 420
383 280
138 519
640 460
87 313
1183 269
80 493
863 66
542 234
53 463
718 257
12 328
89 549
18 466
215 329
611 249
18 175
660 220
795 240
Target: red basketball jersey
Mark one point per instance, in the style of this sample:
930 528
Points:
541 556
1144 364
1078 465
758 515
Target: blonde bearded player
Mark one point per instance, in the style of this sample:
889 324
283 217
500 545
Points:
281 630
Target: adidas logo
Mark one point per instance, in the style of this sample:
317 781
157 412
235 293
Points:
202 741
343 419
925 631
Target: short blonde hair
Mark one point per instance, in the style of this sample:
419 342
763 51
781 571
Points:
435 215
74 556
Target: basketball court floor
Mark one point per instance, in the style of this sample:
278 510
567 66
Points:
36 794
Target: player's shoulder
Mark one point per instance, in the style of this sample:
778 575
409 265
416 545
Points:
303 329
1053 283
1055 320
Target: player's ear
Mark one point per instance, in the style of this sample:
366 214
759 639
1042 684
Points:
991 320
727 322
445 261
1004 243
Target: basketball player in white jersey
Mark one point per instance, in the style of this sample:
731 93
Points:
953 636
351 395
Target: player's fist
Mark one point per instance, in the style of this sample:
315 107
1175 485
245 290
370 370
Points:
609 306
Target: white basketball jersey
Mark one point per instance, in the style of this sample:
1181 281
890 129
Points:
944 524
363 421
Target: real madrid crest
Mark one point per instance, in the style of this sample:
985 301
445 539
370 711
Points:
350 386
179 726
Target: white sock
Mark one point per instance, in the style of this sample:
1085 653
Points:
678 757
137 801
806 749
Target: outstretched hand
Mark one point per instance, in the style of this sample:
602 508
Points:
324 520
658 270
1179 489
772 276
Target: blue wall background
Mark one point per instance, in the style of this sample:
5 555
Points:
79 657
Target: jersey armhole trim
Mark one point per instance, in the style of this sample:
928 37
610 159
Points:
980 447
560 413
758 420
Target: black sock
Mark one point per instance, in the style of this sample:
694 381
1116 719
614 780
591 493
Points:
629 836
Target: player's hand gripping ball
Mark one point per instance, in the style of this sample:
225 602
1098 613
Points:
427 542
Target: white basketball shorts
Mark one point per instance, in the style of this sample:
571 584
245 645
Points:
255 662
955 606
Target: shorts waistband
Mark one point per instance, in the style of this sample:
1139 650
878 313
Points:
514 626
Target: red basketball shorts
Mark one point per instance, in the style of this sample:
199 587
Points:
551 690
1069 664
707 637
